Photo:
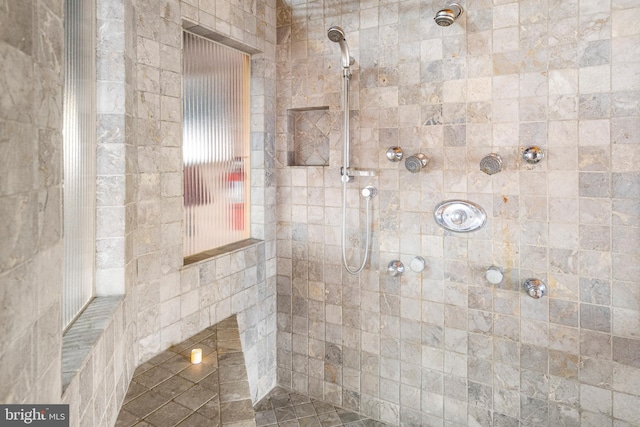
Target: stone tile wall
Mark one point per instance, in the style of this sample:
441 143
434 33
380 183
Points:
174 301
31 42
444 347
139 208
30 200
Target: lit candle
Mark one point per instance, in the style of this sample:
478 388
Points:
196 356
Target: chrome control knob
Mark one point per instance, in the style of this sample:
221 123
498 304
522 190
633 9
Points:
394 154
395 268
535 288
494 275
532 155
369 192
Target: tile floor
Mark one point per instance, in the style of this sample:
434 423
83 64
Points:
284 408
169 391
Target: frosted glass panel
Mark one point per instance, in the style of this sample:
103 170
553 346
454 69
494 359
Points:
215 144
79 157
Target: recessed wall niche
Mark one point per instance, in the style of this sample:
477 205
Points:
308 136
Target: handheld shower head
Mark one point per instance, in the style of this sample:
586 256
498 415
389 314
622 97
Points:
446 16
336 35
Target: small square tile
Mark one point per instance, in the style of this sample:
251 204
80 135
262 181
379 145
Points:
234 391
347 416
196 420
233 373
211 382
175 364
211 410
173 387
278 391
142 369
227 335
165 355
195 397
230 359
309 422
304 410
169 415
626 350
263 405
231 346
236 411
126 419
329 419
264 418
281 401
197 372
244 423
145 404
298 398
285 413
134 391
595 317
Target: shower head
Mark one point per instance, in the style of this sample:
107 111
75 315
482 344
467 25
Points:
416 162
336 35
446 16
491 164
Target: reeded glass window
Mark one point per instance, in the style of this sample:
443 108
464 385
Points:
215 144
79 157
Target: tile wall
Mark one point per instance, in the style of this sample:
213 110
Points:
444 347
30 199
176 302
139 250
440 347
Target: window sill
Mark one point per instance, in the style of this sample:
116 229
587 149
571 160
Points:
83 335
212 253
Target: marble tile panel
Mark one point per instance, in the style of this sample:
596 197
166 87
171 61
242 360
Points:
596 399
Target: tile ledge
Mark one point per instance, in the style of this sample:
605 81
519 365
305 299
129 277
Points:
222 250
83 335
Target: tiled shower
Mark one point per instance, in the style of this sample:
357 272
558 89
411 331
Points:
442 347
445 346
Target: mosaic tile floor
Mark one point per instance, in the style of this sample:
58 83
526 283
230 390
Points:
169 391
